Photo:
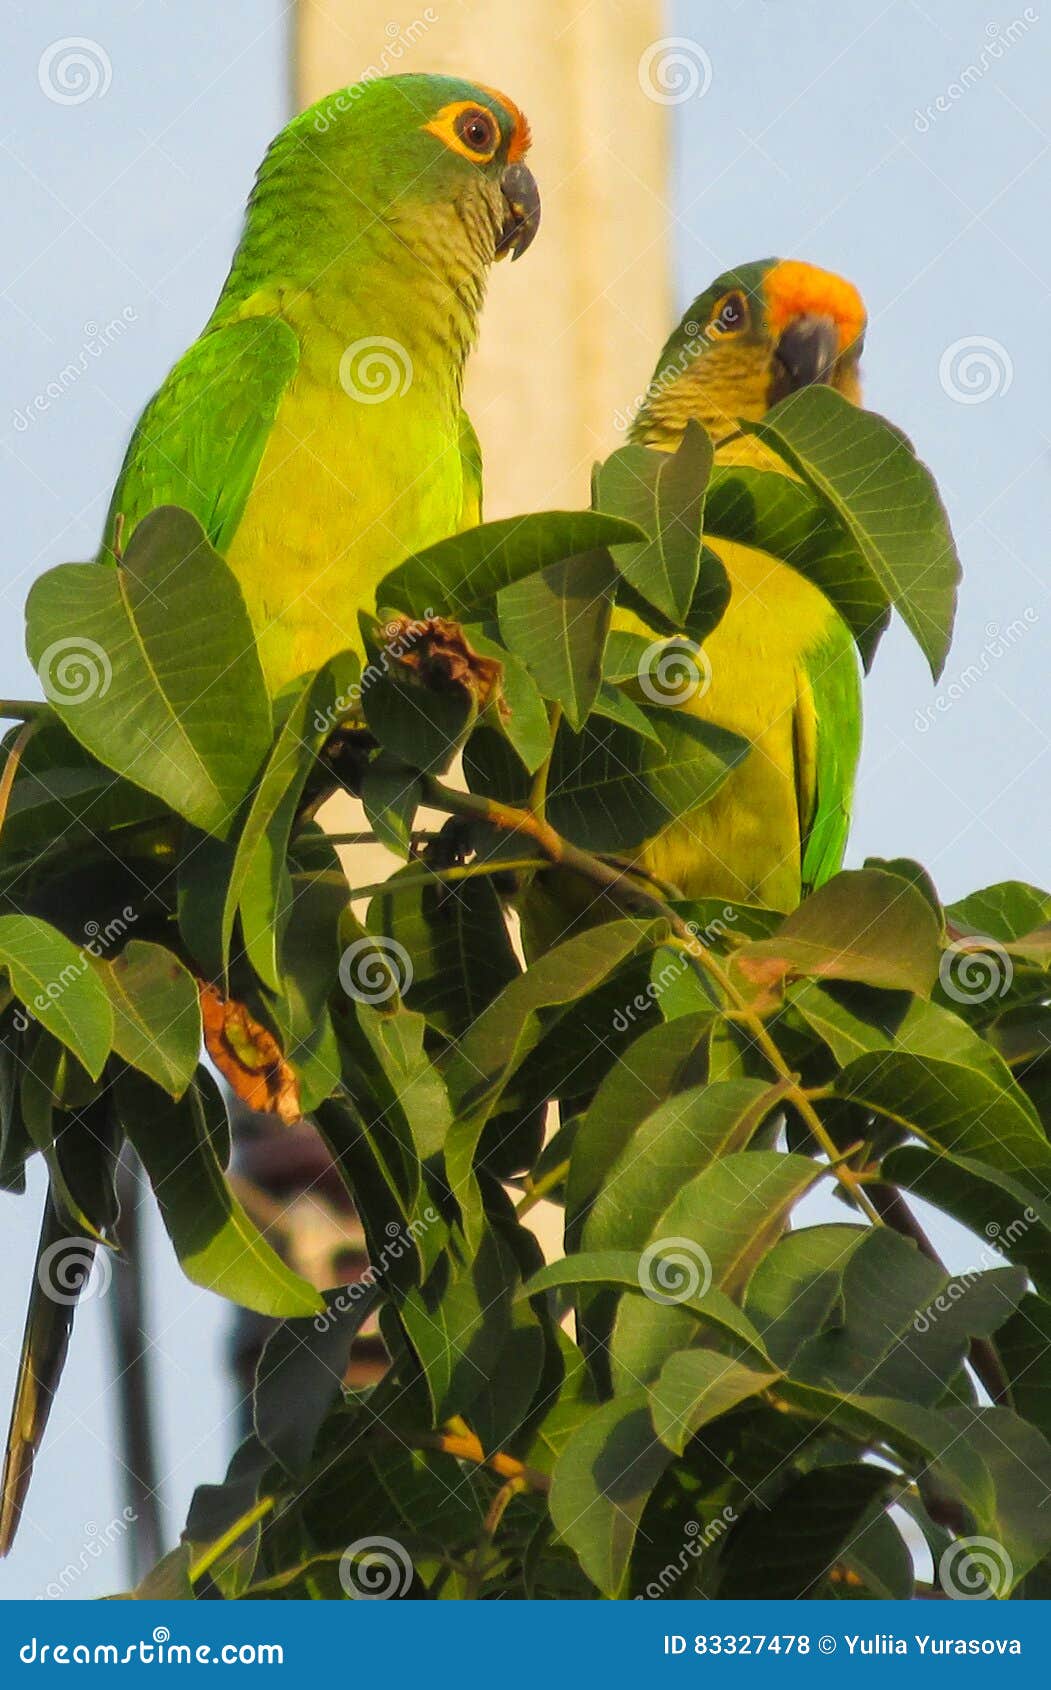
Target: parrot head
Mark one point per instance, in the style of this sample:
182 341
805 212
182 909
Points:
420 152
756 335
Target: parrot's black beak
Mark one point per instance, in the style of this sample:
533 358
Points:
518 186
806 353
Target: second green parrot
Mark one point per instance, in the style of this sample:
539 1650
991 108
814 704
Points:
780 668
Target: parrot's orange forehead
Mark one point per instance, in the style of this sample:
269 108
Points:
520 135
794 289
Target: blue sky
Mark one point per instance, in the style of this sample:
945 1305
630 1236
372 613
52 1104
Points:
812 131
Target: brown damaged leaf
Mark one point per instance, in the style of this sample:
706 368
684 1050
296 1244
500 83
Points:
248 1056
438 653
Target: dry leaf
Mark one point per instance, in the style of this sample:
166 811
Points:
248 1056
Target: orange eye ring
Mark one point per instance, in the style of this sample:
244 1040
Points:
468 129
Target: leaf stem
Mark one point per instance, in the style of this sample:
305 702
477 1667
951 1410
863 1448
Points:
438 876
22 709
537 1192
206 1561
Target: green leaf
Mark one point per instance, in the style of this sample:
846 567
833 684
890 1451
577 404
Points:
679 1139
456 939
217 1245
259 885
1023 1344
789 1547
556 621
391 794
774 513
715 1231
862 925
460 577
905 1323
663 494
955 1106
58 986
62 793
522 718
611 790
663 1061
156 1013
1018 1457
1001 1208
301 1371
149 664
797 1289
697 1386
601 1483
622 1270
510 1027
886 498
850 1019
1007 911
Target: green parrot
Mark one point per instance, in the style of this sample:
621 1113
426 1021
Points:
316 428
781 667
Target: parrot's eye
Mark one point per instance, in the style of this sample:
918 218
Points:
477 129
731 314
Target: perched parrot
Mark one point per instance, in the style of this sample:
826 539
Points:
315 428
781 665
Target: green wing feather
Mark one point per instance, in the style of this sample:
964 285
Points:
828 744
471 458
200 440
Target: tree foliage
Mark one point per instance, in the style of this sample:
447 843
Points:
711 1393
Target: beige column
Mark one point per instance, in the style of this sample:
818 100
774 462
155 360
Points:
569 335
